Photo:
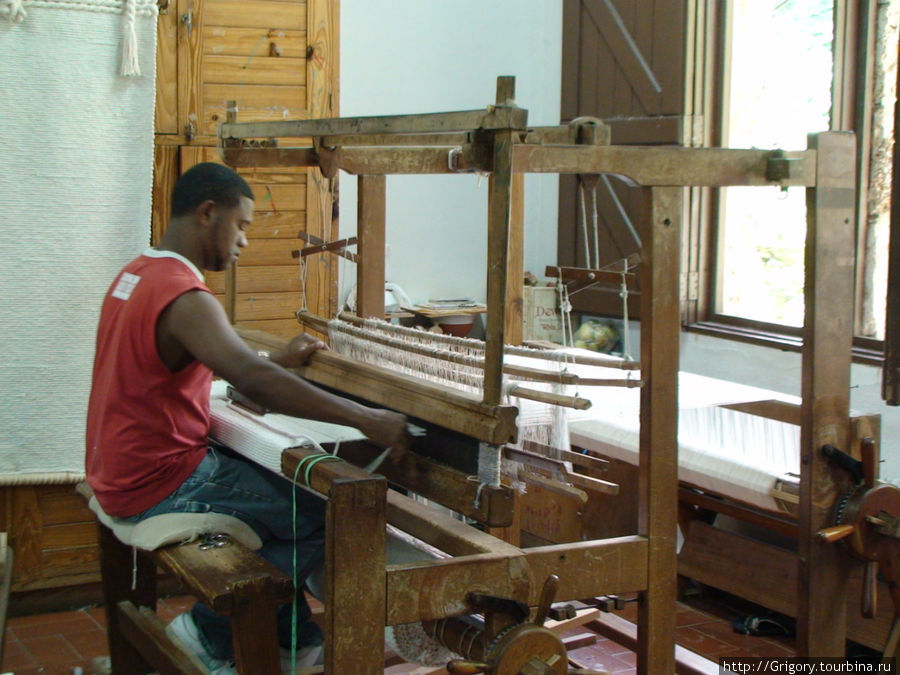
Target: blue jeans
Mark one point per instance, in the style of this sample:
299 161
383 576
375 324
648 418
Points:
225 482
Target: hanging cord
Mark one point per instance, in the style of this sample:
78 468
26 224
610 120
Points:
623 293
565 308
130 66
584 231
134 566
595 226
304 268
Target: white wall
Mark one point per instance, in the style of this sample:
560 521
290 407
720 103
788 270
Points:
419 56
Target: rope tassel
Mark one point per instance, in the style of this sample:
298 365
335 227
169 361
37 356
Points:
130 62
16 10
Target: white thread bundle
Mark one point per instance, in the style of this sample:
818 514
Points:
131 65
381 344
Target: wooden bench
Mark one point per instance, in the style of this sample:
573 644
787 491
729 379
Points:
231 579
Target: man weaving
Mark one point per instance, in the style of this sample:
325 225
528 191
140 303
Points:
161 337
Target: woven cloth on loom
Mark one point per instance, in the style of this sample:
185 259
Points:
76 174
724 451
262 438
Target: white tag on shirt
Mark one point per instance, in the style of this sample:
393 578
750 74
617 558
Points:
126 285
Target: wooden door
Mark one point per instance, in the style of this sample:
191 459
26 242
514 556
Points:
278 60
626 62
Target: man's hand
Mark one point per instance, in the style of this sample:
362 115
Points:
389 429
299 350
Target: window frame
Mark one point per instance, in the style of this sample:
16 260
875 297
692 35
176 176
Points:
854 28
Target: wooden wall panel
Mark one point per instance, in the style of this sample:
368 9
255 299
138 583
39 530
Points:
52 534
256 102
165 173
267 278
278 14
166 62
251 41
252 70
257 279
249 51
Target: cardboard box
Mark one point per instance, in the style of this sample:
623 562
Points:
540 313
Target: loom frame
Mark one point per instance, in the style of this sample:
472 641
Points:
506 148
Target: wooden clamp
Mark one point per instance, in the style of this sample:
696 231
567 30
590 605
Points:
320 245
579 278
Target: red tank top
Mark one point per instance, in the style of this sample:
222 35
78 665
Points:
146 426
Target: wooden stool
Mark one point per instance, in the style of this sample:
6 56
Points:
230 579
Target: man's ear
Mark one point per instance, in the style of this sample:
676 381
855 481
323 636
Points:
205 211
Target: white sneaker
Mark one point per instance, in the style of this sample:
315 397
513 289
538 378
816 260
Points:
306 657
183 630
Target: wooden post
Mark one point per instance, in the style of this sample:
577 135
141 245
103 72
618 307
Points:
253 626
890 374
499 213
827 345
515 272
116 562
515 266
658 450
370 247
356 590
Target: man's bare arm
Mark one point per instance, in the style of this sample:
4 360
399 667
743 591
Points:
197 321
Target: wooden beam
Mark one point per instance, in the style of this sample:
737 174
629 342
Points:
142 628
252 157
374 161
441 530
767 575
827 346
433 403
422 591
370 246
425 591
664 166
430 402
494 117
442 484
500 206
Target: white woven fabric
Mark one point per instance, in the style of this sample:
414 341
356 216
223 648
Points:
724 451
76 173
262 438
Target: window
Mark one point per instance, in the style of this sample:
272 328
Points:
787 68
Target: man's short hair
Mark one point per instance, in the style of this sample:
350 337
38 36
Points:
208 181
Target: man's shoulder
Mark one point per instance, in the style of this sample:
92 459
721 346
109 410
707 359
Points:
166 267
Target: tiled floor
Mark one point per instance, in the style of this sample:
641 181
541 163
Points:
64 642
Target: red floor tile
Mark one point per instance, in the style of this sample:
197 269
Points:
53 644
15 656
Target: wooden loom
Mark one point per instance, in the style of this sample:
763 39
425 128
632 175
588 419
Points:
365 595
